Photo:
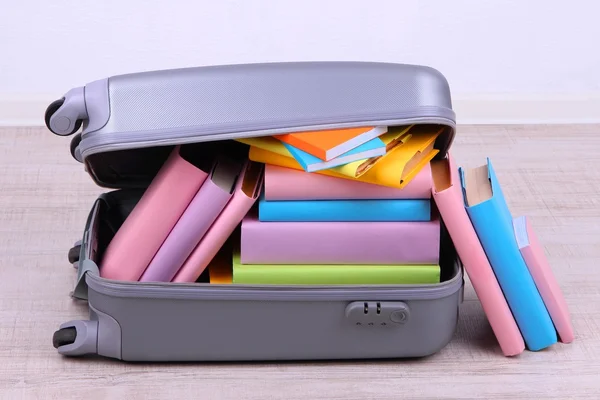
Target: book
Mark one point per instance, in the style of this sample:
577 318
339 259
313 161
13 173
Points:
397 169
533 254
331 143
344 210
247 190
168 195
395 137
272 145
195 221
448 198
220 267
340 274
492 220
339 242
283 183
372 148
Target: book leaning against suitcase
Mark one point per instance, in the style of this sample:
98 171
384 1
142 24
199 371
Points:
533 254
448 197
491 218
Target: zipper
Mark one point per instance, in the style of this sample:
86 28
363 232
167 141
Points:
98 142
195 291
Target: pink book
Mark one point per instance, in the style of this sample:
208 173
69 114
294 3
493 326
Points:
151 220
448 197
289 184
339 242
247 190
539 268
200 214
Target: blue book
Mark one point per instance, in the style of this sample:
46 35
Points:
492 221
344 210
373 148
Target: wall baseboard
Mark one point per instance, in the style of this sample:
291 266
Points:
476 110
488 110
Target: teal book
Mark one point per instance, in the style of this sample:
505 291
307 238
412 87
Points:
373 148
493 223
348 210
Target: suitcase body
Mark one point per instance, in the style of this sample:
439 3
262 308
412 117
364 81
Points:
130 124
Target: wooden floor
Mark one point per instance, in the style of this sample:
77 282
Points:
550 173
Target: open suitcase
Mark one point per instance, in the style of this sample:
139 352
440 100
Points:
130 124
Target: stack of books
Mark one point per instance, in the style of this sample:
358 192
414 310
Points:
324 217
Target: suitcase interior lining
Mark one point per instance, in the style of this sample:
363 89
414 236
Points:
117 205
135 168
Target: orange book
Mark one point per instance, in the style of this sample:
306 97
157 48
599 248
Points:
329 144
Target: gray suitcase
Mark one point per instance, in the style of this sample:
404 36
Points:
129 125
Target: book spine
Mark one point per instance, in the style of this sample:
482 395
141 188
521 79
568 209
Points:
290 184
336 274
339 242
344 210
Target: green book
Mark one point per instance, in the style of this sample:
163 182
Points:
333 274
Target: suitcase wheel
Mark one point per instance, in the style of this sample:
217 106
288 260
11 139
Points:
74 143
51 109
64 337
74 254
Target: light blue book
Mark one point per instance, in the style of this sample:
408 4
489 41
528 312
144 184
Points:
344 210
492 221
373 148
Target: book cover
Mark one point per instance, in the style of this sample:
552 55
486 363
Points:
331 143
344 210
372 148
340 274
168 195
491 218
397 169
339 242
448 198
247 190
395 137
533 254
277 148
290 184
195 221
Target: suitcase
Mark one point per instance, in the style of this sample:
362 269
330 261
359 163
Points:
130 123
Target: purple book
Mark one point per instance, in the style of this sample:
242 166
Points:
198 217
339 242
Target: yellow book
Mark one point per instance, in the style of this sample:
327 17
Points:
391 139
396 169
395 137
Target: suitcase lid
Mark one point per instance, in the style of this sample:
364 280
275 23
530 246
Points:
130 122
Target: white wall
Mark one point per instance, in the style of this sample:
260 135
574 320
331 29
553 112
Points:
506 60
